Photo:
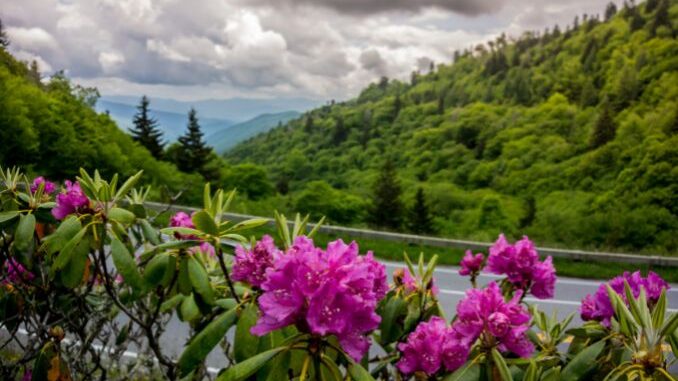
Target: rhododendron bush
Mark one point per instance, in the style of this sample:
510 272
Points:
89 274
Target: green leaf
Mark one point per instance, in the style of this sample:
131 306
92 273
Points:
180 230
200 280
358 373
248 224
6 216
72 274
670 326
155 270
468 372
126 265
184 282
250 366
245 344
552 374
66 230
172 303
67 251
500 363
128 185
204 222
659 310
390 327
582 363
120 215
189 310
23 237
203 343
150 233
532 371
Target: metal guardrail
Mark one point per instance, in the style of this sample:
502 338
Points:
577 255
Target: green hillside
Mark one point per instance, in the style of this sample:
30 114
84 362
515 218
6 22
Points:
51 129
228 137
569 135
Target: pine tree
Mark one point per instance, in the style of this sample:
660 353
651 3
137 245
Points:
340 132
605 128
610 10
366 128
387 208
34 72
419 218
146 131
194 153
397 105
4 41
661 18
651 5
308 126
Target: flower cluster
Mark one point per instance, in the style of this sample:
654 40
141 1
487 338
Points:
72 201
599 307
49 186
485 314
183 220
16 272
520 263
431 346
403 278
471 264
250 265
324 292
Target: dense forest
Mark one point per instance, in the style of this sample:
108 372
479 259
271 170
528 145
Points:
569 135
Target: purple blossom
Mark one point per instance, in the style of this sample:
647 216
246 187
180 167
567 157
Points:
49 188
250 265
599 307
324 292
69 202
182 220
16 272
471 264
28 375
502 324
432 345
520 263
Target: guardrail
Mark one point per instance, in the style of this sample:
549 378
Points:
577 255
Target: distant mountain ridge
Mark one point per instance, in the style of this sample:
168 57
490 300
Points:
228 137
233 109
172 124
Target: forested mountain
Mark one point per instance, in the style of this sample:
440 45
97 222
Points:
226 138
52 129
569 135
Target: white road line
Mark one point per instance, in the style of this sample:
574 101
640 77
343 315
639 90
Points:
455 271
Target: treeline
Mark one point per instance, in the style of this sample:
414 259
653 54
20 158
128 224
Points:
568 135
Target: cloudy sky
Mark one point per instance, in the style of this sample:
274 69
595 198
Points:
318 49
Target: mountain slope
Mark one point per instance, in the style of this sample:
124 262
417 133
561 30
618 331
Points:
569 136
172 124
228 137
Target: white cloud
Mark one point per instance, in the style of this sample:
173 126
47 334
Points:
31 38
110 61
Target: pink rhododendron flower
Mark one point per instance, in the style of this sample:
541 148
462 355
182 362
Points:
16 272
404 278
324 292
182 220
599 307
502 324
471 264
49 186
431 346
69 202
250 265
520 263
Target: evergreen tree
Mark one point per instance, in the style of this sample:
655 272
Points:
610 10
636 21
340 131
651 5
366 128
605 128
308 126
146 131
661 18
387 208
419 218
441 103
194 153
34 72
397 105
4 41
